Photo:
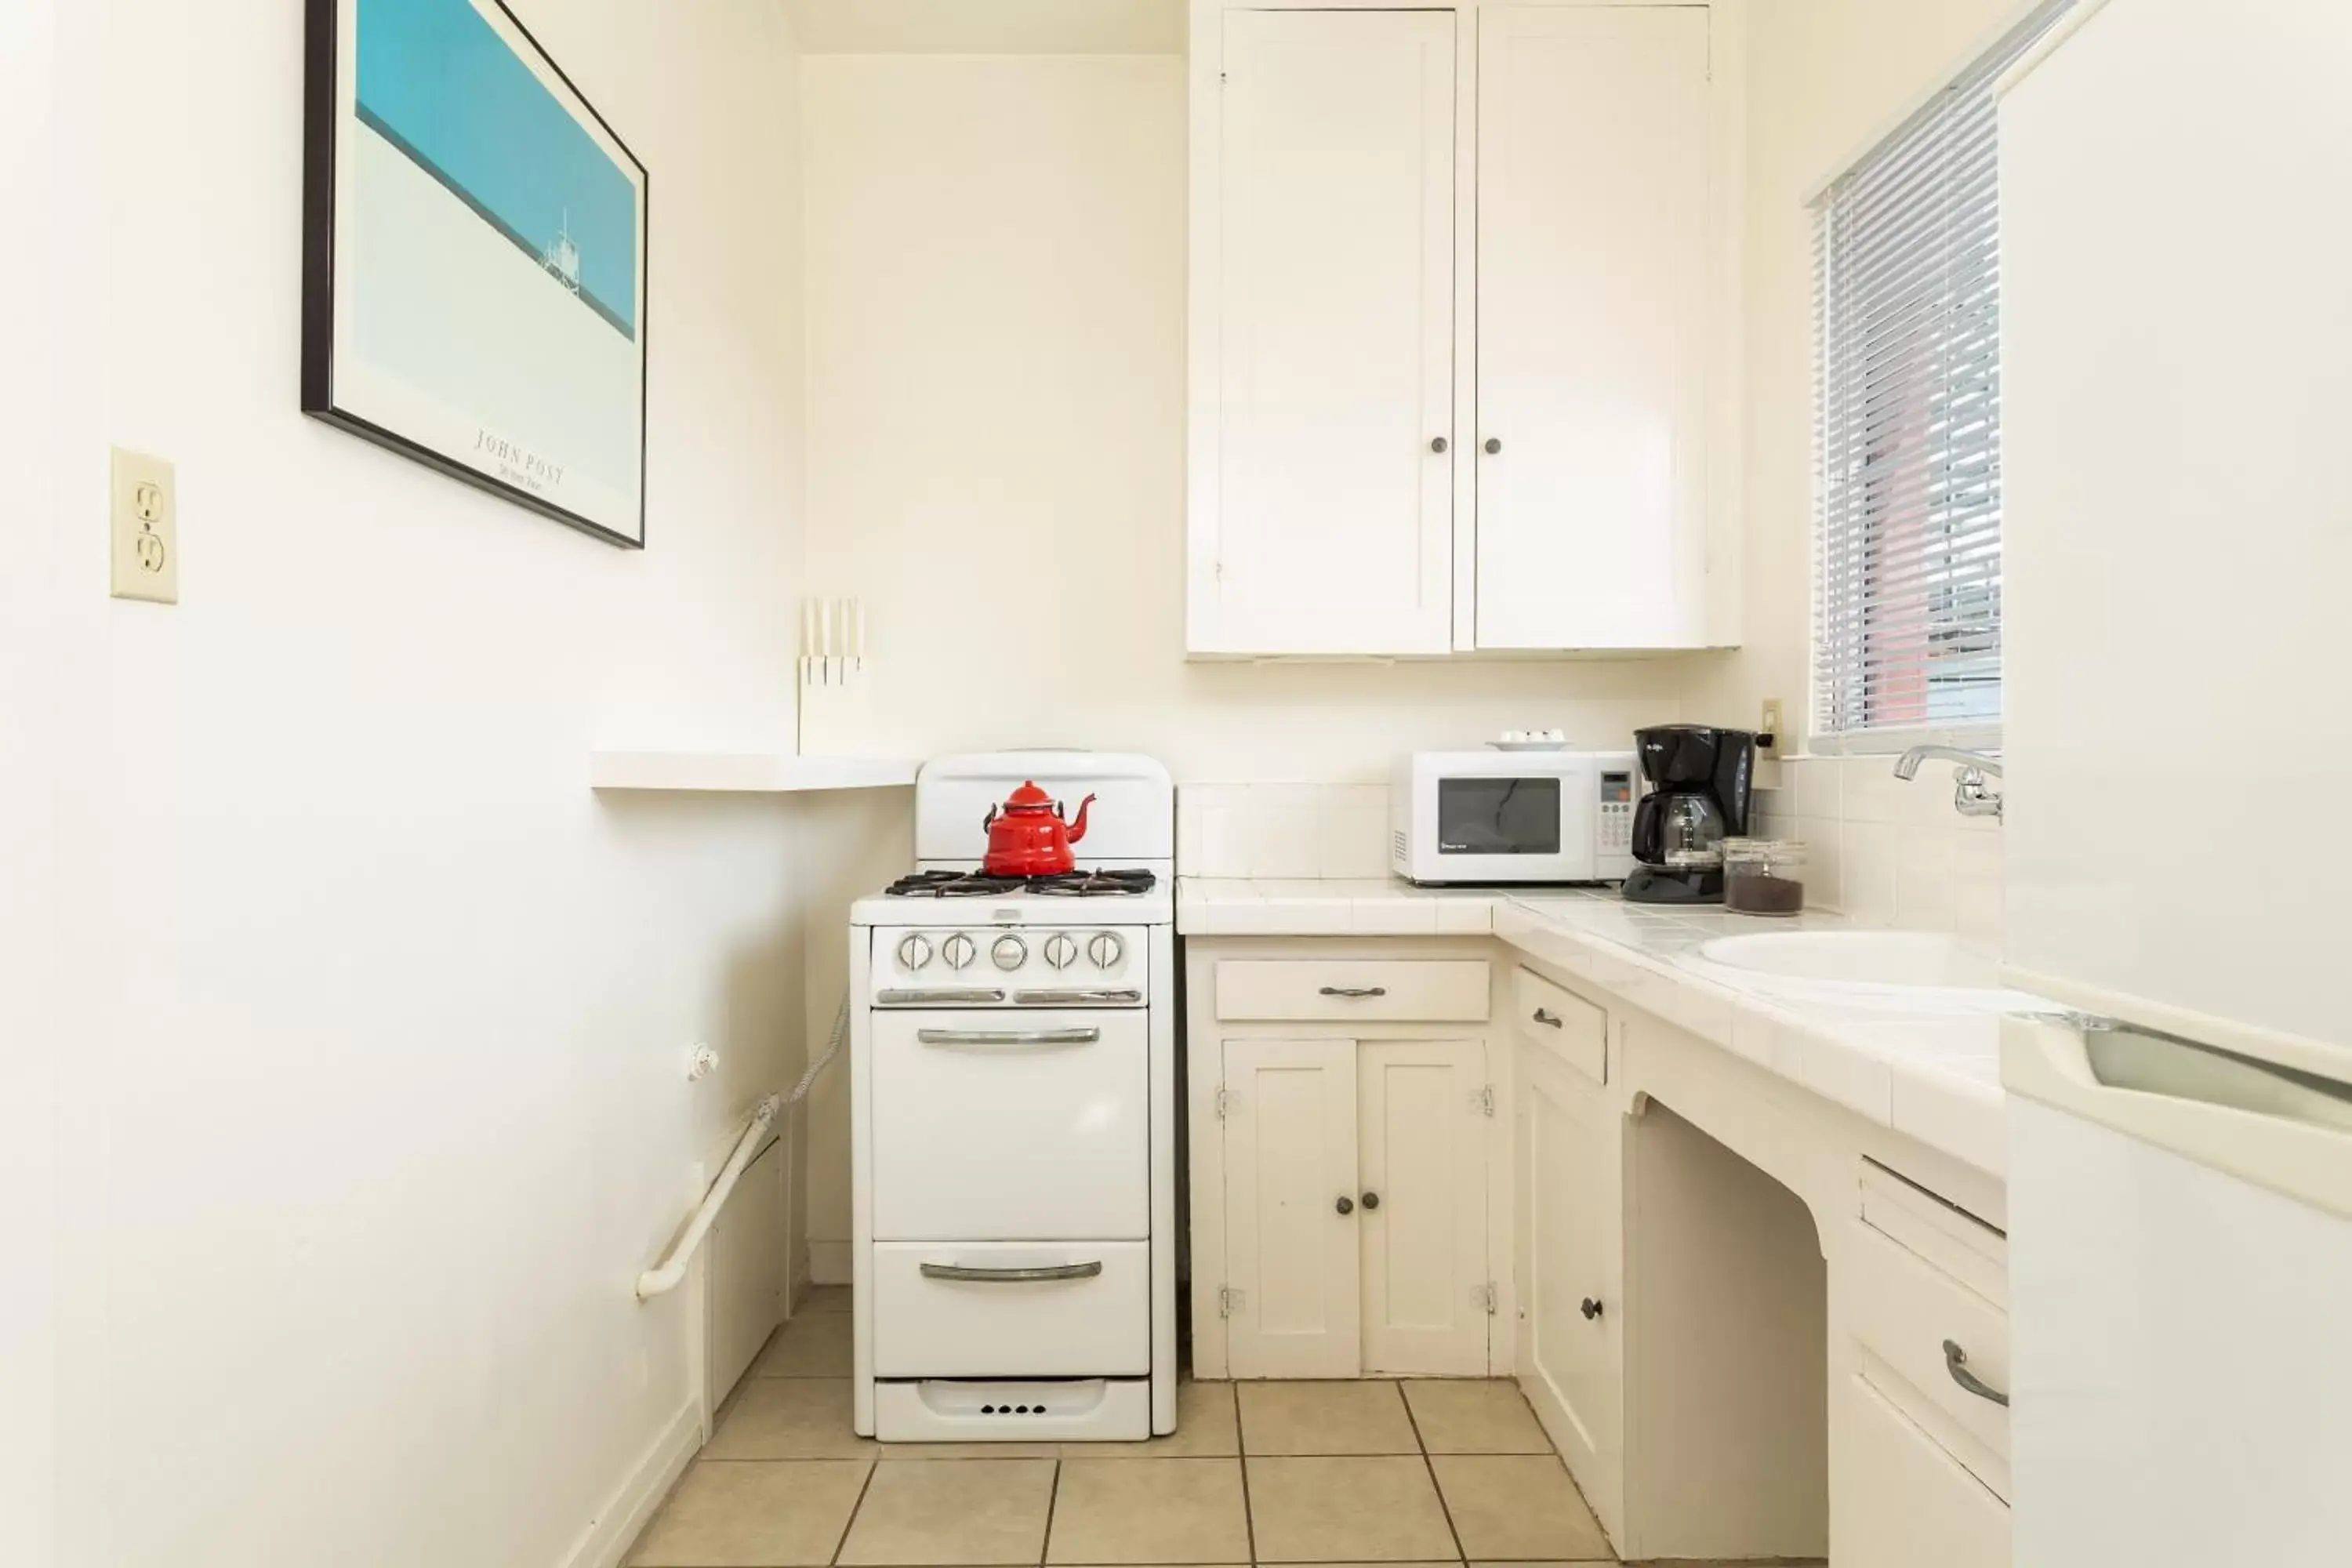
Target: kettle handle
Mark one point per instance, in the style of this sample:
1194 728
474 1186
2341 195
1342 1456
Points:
989 820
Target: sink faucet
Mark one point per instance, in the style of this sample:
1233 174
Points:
1969 795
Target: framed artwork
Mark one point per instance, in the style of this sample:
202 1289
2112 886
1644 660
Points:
474 259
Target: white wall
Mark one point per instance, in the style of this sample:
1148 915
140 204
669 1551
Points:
995 301
371 1091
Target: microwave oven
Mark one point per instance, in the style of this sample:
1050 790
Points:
1512 817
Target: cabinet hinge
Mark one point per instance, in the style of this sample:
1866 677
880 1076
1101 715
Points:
1226 1102
1487 1297
1228 1301
1483 1102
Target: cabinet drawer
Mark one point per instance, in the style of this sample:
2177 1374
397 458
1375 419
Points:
1562 1023
1911 1507
1075 1309
1415 990
1904 1310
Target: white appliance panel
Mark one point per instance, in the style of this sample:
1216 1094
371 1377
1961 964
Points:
959 1410
1000 1315
1011 1125
2182 1372
2176 386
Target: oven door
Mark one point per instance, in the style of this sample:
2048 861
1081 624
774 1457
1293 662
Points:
1012 1124
1534 825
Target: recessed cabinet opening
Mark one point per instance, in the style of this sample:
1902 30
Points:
1730 1344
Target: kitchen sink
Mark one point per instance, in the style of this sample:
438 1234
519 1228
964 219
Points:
1926 969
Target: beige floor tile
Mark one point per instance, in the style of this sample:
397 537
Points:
815 1344
1517 1506
1324 1418
1475 1417
1177 1511
1378 1509
953 1511
825 1299
1204 1429
789 1418
730 1514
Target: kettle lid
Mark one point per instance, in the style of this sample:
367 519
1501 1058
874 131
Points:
1028 794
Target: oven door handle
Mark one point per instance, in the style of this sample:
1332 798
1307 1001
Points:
1116 997
1079 1036
975 996
1011 1275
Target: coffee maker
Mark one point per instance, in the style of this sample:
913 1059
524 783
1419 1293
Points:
1701 780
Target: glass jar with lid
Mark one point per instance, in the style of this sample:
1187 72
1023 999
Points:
1763 876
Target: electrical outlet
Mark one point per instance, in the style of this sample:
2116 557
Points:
1771 725
144 523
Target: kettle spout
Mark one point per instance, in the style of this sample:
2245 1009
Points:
1078 824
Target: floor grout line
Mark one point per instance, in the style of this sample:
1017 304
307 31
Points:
855 1510
1053 1501
1460 1555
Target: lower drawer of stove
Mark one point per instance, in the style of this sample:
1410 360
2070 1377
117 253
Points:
1008 1309
1072 1410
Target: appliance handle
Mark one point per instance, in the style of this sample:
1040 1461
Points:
1010 1276
978 996
1074 1037
2278 1127
1122 997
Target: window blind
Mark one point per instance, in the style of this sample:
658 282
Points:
1908 438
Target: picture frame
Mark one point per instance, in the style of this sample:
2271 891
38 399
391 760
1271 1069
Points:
475 248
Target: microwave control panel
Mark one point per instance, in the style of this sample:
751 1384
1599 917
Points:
1616 836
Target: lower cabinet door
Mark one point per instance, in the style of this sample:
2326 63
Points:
1421 1146
1906 1503
1291 1210
1571 1355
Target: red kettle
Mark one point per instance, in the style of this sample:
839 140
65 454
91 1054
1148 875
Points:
1026 835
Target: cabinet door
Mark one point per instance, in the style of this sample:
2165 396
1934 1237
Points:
1322 521
1290 1254
1423 1146
1908 1503
1595 259
1567 1190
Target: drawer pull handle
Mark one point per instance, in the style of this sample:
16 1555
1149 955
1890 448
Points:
1087 1037
1590 1308
1549 1019
1956 1361
1011 1275
1355 992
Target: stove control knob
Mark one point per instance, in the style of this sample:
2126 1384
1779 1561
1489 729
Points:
957 950
1062 950
1106 950
913 952
1010 952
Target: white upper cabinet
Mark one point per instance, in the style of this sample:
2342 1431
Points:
1323 336
1594 148
1463 328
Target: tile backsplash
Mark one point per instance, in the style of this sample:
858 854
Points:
1881 851
1887 853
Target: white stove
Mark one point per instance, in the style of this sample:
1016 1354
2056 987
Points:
1012 1114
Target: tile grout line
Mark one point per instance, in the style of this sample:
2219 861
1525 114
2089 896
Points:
1240 1462
1053 1501
1442 1506
855 1510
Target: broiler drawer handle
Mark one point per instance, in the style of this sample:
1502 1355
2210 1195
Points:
1011 1275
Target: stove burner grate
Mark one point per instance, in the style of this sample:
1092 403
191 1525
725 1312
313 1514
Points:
1057 884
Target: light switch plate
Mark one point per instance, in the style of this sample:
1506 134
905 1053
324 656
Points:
144 520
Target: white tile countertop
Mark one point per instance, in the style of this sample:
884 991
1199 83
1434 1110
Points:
1934 1076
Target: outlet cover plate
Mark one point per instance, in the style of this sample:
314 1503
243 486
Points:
144 522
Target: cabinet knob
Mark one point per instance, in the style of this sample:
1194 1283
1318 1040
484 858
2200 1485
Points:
1371 1200
1590 1309
1492 446
1439 445
1346 1203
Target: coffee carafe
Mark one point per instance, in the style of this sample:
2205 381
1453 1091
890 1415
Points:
1701 783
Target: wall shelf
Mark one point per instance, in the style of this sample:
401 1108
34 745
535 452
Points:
743 773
